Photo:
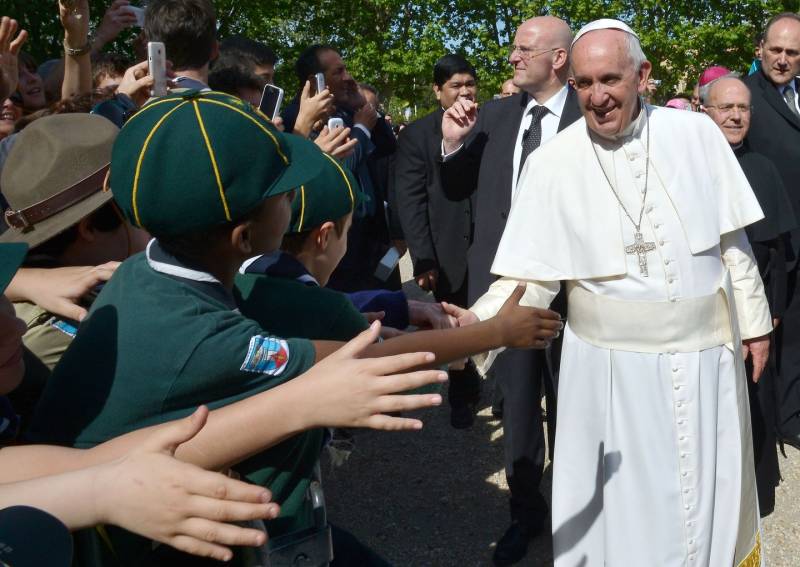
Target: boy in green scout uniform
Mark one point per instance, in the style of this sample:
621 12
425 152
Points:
212 180
296 303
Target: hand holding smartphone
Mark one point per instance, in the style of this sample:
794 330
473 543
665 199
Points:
157 65
271 100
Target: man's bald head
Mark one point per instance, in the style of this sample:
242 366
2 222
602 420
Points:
540 56
509 88
728 105
609 75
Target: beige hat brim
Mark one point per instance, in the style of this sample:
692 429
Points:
58 223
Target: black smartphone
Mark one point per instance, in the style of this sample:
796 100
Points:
271 100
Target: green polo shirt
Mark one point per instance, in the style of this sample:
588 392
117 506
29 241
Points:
159 341
292 308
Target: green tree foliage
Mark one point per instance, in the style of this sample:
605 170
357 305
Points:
393 44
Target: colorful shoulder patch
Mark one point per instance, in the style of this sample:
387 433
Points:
67 328
266 355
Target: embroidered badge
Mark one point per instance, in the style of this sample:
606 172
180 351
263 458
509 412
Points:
266 355
66 328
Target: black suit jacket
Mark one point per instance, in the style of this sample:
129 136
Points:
775 133
436 222
486 164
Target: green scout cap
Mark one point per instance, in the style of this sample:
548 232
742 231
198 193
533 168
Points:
11 256
54 175
194 160
329 196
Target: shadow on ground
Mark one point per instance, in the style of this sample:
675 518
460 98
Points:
434 497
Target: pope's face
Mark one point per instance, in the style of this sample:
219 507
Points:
607 84
729 106
780 51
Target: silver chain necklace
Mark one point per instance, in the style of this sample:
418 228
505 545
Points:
639 246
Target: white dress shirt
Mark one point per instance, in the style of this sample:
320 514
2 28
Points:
555 105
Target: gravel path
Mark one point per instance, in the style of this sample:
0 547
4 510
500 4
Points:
439 496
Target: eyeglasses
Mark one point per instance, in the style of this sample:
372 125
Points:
528 53
728 108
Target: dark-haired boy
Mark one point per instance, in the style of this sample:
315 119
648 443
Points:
188 30
166 334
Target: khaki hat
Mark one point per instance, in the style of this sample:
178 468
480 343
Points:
54 175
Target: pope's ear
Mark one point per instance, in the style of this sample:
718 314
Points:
644 75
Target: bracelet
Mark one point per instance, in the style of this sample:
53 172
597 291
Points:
72 52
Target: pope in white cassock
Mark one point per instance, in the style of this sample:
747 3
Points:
641 211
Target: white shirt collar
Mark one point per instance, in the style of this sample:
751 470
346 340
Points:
555 104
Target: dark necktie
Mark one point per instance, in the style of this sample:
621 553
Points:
788 96
532 137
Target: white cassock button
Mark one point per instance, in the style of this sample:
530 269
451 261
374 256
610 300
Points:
683 455
667 261
682 438
679 404
686 507
677 388
684 473
674 368
661 242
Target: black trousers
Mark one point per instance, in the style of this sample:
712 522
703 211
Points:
520 375
787 383
464 386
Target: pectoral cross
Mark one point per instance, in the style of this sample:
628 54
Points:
640 248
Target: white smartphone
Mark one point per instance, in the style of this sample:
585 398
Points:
157 63
320 82
271 100
335 124
139 13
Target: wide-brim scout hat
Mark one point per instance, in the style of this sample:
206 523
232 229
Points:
12 255
194 160
54 175
328 196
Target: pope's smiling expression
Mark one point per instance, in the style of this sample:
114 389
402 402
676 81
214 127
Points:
606 81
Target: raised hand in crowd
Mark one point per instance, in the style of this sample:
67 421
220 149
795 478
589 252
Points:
457 122
313 109
59 290
9 50
74 15
149 492
118 17
137 82
336 142
366 115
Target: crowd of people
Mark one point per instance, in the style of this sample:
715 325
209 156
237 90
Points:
200 297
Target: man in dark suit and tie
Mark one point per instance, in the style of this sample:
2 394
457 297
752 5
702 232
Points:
775 133
486 151
437 224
